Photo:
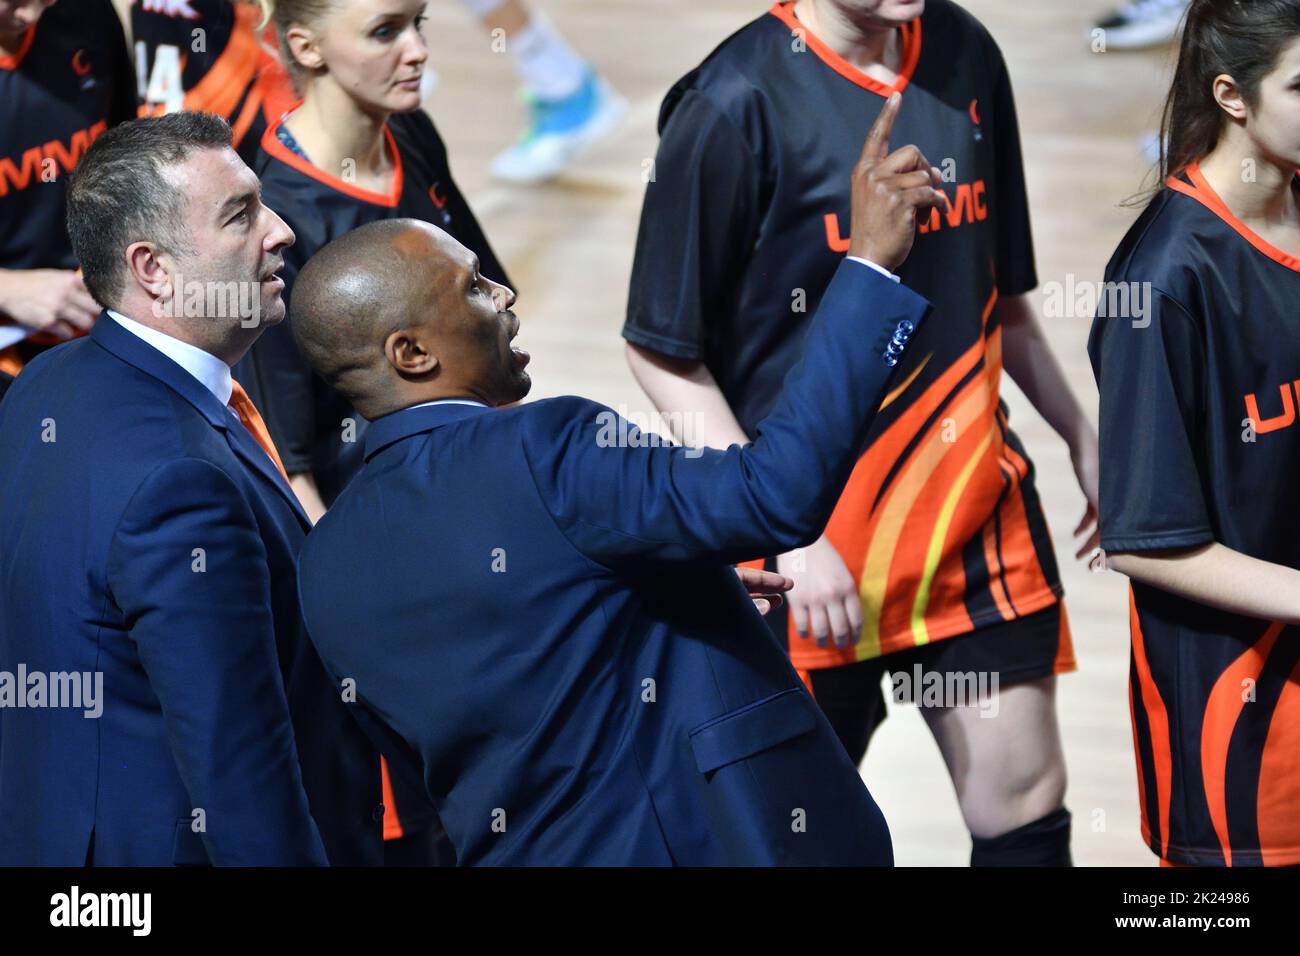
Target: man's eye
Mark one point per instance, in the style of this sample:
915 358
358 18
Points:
241 216
420 21
383 33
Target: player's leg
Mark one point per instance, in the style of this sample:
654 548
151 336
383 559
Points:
1003 748
570 107
852 701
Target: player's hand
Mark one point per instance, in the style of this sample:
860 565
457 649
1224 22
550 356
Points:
765 587
1085 457
825 599
47 300
889 190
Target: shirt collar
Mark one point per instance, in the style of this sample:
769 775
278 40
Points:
447 401
212 373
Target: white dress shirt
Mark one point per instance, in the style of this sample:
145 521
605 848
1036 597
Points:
212 372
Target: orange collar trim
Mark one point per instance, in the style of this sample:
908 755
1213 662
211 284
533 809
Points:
1202 192
11 62
271 143
910 34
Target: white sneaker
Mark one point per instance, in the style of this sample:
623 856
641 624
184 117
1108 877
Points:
1143 23
560 130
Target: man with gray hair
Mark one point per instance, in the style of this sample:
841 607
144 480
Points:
148 534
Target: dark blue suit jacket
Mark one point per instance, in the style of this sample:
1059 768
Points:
544 625
116 468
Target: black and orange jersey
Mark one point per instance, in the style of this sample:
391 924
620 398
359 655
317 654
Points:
207 56
69 80
1196 349
745 220
305 417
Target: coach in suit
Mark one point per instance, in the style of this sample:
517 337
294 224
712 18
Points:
540 612
147 543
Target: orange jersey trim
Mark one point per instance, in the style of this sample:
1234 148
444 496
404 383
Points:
909 33
11 62
271 143
1203 193
1157 732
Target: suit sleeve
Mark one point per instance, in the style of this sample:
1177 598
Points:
699 221
1149 377
202 626
617 498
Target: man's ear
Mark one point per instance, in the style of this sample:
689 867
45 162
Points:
304 47
152 270
407 353
1228 95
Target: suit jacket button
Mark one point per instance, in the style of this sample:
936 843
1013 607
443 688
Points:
378 813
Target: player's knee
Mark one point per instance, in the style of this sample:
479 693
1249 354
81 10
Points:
1011 797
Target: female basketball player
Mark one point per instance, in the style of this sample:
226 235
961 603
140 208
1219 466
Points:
1200 446
937 558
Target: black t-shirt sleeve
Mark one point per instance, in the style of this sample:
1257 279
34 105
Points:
1015 245
1151 381
699 221
281 383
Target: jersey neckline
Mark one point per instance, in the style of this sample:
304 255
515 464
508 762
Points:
271 143
1204 193
910 34
12 62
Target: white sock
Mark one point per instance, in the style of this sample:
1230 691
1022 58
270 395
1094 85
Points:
544 61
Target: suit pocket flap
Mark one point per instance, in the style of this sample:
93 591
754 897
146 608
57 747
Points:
753 728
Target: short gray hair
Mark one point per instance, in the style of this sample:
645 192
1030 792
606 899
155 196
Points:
120 194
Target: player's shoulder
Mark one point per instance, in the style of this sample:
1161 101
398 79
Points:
416 134
1163 246
732 78
952 33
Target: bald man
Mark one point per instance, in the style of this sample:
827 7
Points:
537 607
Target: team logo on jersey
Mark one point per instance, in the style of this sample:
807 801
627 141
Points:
82 66
170 8
975 118
1283 419
969 204
44 163
441 202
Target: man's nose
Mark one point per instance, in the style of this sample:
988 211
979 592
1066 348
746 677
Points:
279 235
503 297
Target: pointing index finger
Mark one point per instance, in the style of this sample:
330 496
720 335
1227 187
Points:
877 145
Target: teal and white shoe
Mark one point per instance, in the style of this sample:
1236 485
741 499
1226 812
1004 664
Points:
560 130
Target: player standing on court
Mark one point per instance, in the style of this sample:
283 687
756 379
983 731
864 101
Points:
938 555
1200 446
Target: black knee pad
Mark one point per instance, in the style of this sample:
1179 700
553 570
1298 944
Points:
1043 842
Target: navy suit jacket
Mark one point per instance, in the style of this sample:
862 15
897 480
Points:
545 627
145 535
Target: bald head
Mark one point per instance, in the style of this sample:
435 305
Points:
394 313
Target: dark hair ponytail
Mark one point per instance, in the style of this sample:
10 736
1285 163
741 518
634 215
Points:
1242 38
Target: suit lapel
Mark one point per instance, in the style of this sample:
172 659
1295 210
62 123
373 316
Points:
138 353
252 454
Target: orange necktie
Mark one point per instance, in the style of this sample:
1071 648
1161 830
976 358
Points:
252 419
